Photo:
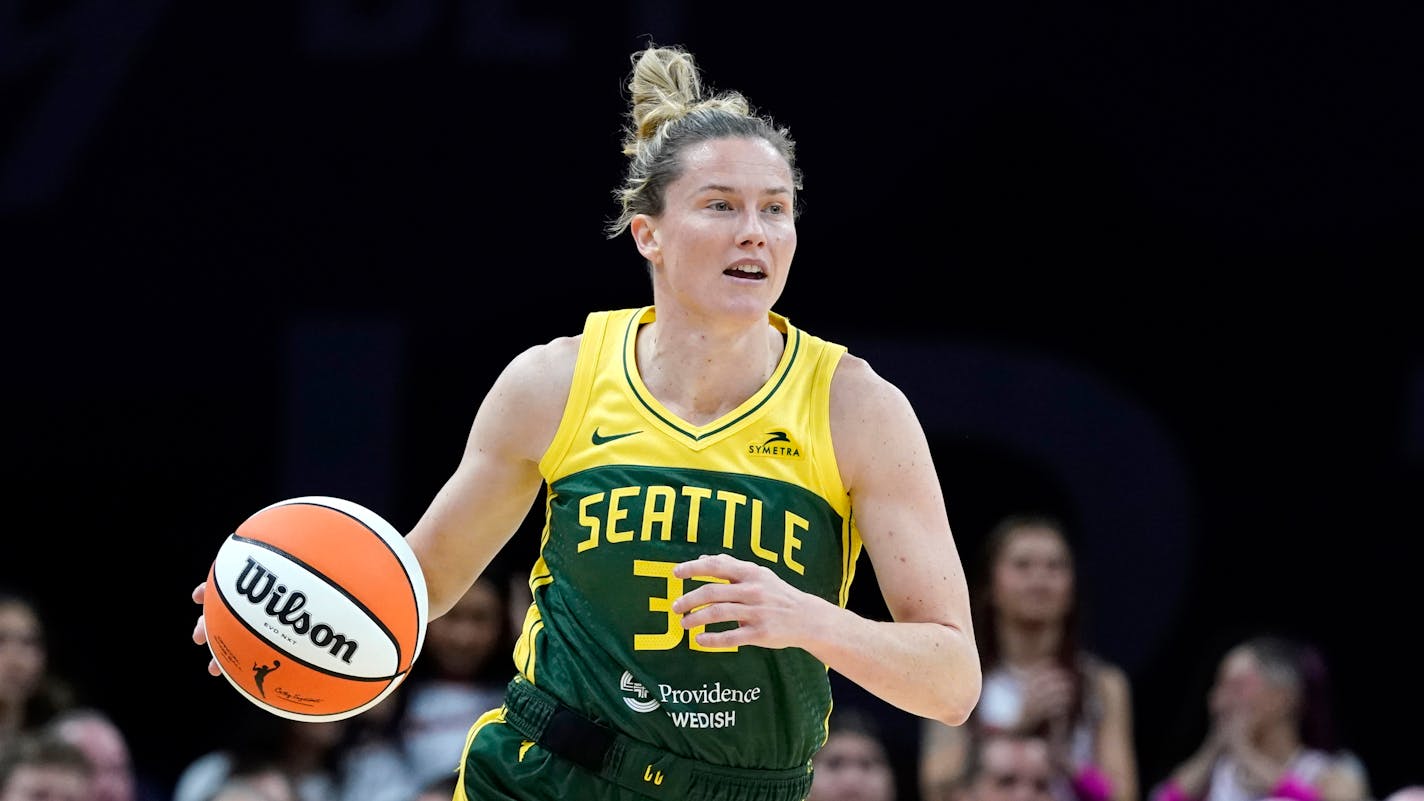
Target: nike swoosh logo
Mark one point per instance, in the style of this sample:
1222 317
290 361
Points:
601 440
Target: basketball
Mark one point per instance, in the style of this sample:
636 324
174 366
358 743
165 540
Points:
315 609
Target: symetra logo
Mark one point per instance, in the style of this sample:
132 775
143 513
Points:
777 444
644 703
599 439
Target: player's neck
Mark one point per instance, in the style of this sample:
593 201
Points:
701 375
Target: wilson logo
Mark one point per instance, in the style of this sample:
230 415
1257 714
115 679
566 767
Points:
258 584
776 444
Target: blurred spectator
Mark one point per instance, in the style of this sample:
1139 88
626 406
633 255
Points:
29 694
1409 792
256 775
1039 677
270 785
340 760
235 789
371 761
101 740
40 767
852 765
1270 735
1006 766
442 789
461 673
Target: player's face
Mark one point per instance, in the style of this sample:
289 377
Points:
1033 576
722 248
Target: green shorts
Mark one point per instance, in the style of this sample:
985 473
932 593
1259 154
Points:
508 758
500 765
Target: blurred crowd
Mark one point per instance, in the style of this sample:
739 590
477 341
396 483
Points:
54 748
1054 722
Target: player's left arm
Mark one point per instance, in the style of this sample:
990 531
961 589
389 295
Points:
926 660
923 661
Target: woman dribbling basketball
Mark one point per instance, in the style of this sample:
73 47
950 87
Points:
711 474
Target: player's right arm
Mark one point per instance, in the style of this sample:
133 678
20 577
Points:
496 482
490 493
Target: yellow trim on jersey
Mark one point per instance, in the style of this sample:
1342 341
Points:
590 346
700 437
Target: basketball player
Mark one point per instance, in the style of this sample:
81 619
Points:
711 473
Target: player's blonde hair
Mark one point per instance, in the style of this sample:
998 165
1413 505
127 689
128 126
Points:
671 111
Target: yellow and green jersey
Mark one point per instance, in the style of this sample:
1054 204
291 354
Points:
632 490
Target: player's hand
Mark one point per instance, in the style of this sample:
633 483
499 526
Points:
768 611
200 630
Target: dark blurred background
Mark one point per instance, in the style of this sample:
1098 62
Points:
1151 266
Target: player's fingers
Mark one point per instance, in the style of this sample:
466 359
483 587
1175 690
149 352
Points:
730 638
713 613
711 592
719 565
200 592
200 636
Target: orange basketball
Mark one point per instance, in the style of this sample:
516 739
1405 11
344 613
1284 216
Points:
316 608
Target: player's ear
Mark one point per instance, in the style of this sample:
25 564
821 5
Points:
645 235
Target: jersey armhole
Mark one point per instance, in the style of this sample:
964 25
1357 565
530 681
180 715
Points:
827 467
595 328
828 472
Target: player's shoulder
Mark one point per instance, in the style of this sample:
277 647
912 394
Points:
543 372
870 418
561 350
857 386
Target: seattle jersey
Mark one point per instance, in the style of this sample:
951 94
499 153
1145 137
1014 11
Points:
632 490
